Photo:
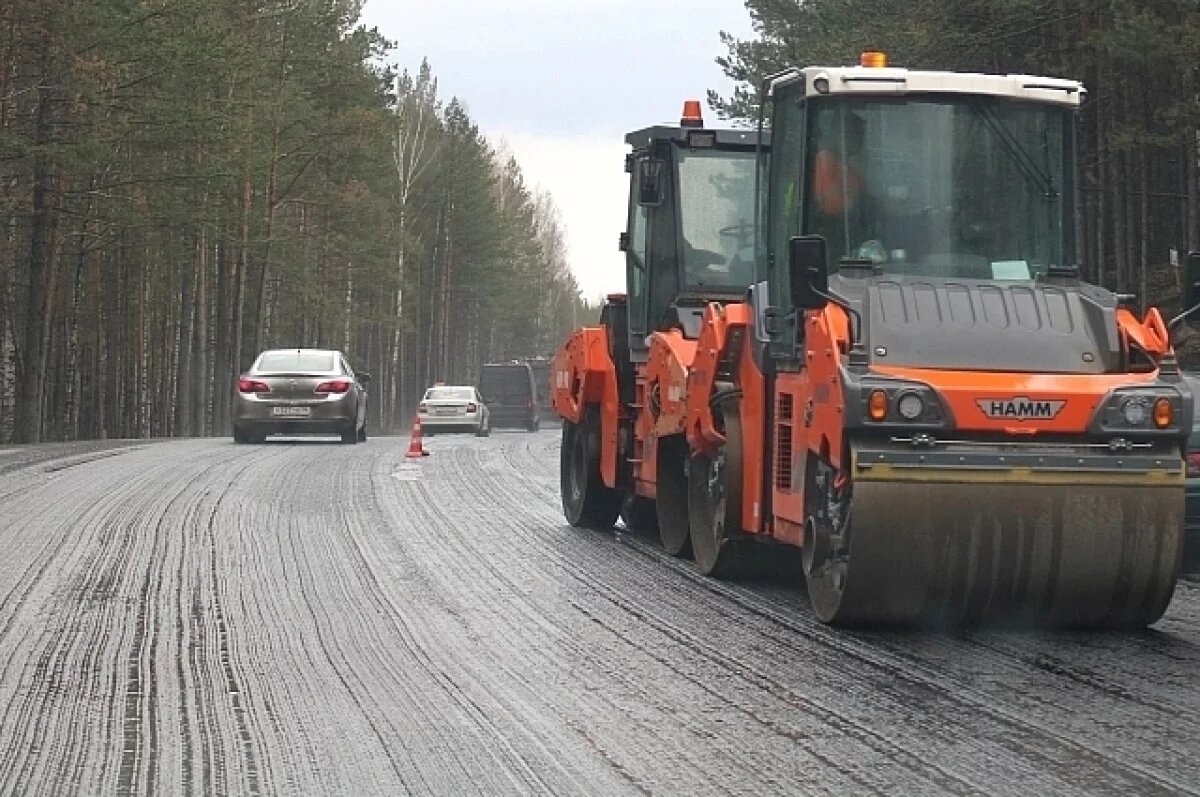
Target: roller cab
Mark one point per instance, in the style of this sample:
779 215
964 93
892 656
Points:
620 387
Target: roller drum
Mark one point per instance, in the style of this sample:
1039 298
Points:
1063 550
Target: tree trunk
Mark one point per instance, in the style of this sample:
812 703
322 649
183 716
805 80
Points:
184 370
32 364
202 379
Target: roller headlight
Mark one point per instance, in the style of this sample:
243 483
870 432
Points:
910 406
1135 410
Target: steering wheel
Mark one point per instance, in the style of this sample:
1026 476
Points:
742 233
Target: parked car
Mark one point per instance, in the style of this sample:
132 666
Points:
300 391
509 392
454 408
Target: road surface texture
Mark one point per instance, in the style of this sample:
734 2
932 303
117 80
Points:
199 617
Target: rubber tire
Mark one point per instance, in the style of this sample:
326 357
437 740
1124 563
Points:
240 436
484 429
672 504
362 433
350 436
714 526
587 501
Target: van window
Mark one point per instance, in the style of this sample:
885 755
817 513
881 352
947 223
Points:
501 382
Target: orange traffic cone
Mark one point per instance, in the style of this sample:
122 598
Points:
415 447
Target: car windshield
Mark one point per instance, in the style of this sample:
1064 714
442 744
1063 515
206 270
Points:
296 362
449 394
964 187
716 203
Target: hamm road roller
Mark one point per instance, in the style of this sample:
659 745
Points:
919 390
689 244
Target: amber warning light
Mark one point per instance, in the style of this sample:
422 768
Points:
691 114
873 59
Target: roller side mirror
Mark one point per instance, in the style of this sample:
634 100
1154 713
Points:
807 268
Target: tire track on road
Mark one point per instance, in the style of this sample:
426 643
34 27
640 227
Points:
896 661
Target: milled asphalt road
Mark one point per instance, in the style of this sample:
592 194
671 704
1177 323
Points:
199 617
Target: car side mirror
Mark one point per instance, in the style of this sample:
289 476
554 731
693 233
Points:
807 272
1191 281
649 175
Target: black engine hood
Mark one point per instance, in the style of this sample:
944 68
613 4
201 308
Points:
1025 327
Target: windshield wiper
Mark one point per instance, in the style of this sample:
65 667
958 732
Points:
1040 180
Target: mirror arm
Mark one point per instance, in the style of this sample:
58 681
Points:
857 356
1179 319
856 317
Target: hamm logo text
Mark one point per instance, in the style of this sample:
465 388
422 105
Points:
1020 408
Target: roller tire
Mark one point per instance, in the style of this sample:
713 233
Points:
672 504
587 501
715 499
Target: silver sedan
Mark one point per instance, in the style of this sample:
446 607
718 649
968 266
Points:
300 391
454 407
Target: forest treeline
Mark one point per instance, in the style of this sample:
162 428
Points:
1139 128
184 183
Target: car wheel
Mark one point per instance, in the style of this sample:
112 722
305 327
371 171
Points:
484 429
362 433
350 435
240 435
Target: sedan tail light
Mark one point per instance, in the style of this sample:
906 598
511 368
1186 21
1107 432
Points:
252 386
333 386
1193 463
472 407
422 407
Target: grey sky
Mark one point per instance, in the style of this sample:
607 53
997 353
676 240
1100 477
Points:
559 83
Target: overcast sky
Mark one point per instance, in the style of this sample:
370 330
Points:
559 83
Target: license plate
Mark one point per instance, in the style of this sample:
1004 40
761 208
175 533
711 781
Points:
445 410
291 412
